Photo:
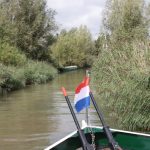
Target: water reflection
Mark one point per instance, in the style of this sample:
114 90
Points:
37 116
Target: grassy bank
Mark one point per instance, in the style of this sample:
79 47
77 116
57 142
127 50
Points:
17 77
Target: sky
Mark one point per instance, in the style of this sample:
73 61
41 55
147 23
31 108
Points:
73 13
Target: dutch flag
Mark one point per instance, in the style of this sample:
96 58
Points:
82 97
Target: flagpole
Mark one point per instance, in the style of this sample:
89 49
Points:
87 115
87 109
85 144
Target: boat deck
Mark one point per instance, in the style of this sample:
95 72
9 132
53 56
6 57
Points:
127 140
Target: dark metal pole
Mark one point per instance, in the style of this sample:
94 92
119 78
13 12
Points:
87 109
87 115
86 145
113 144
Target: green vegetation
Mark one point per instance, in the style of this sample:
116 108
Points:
13 78
28 25
121 73
25 33
28 45
10 55
74 47
38 72
121 54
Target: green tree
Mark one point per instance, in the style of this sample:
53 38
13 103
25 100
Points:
121 72
73 48
124 19
30 25
101 43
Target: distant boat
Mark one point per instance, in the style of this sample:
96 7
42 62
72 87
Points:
127 140
68 68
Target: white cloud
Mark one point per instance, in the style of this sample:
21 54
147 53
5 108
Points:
73 13
62 4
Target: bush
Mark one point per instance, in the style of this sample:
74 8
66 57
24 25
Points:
11 78
38 72
10 55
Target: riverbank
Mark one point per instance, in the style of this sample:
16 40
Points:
14 78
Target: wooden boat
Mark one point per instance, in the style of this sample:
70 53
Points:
127 140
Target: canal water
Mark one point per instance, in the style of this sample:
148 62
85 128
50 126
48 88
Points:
37 116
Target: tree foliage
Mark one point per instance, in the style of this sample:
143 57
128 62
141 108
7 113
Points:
126 20
26 30
28 25
10 55
121 72
73 47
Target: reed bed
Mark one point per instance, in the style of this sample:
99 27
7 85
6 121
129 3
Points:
121 78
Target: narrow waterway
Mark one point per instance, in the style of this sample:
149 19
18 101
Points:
35 117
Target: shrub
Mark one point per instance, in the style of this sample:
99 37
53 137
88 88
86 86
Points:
38 72
11 78
10 55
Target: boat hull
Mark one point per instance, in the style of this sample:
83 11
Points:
68 68
127 140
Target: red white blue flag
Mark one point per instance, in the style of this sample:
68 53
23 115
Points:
82 97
